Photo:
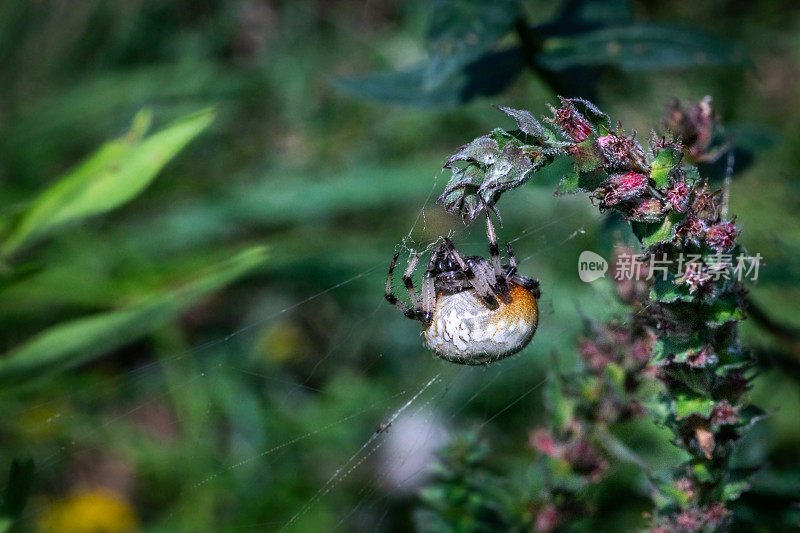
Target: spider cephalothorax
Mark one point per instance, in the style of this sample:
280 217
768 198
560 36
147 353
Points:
473 310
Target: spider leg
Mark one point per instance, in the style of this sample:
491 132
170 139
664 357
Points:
481 285
531 285
494 250
416 301
512 261
429 291
392 299
500 286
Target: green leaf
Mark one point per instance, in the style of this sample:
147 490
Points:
526 122
666 159
561 407
616 378
701 471
78 341
639 47
461 31
488 75
116 173
581 181
684 406
678 349
731 491
605 12
665 289
15 494
722 310
652 233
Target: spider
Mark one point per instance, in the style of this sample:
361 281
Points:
473 310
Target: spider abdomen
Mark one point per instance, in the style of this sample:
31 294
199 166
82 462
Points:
463 330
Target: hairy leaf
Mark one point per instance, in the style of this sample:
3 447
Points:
666 160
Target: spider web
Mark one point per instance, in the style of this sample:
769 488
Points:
410 423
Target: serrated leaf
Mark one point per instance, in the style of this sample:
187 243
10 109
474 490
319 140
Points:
510 170
666 159
115 174
722 311
652 233
483 150
599 120
665 290
78 341
526 122
639 47
676 349
684 406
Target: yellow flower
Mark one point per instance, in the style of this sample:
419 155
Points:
89 512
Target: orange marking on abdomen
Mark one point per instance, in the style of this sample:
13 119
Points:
523 306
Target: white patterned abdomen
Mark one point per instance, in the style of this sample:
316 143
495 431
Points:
464 330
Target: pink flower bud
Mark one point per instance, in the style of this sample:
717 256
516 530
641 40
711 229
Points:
649 210
724 413
547 519
542 441
692 229
701 357
687 521
678 195
624 186
722 236
595 358
685 484
715 513
622 152
571 122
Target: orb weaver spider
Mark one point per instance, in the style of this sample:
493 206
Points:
473 310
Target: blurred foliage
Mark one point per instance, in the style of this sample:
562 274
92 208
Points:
466 61
285 362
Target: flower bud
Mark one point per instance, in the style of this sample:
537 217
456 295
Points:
571 122
622 152
624 187
722 236
649 210
678 196
724 413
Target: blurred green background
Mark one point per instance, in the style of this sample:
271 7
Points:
199 203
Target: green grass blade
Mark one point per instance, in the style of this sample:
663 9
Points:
79 341
116 173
